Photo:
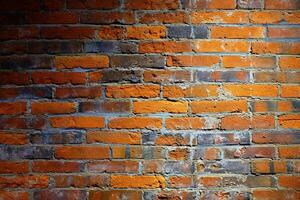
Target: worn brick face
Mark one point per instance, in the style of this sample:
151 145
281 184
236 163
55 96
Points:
149 99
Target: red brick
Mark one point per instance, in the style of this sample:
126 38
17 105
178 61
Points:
165 47
113 194
52 18
77 122
82 152
181 123
16 195
290 91
179 154
78 92
92 4
281 32
56 167
18 78
192 61
291 182
13 138
151 4
165 17
107 17
276 47
220 17
214 4
240 90
146 32
265 17
112 33
263 122
176 91
70 62
15 108
263 194
180 181
289 121
32 181
158 76
68 33
113 166
58 77
10 167
52 107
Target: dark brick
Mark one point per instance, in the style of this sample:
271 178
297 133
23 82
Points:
186 4
105 107
62 137
35 92
178 167
150 152
134 76
150 61
149 138
54 47
25 62
190 32
110 47
28 152
220 76
296 105
260 181
254 4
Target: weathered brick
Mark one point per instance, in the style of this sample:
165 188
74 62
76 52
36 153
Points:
8 108
138 61
151 4
145 32
252 4
290 91
289 121
251 90
107 17
282 4
215 46
289 62
70 62
58 77
169 17
135 122
223 76
10 167
110 47
160 106
113 76
17 195
52 107
237 32
265 17
57 137
56 166
78 92
165 47
105 107
167 76
123 181
218 106
68 33
275 48
31 181
177 91
113 137
192 61
60 194
90 4
77 122
219 17
197 32
102 194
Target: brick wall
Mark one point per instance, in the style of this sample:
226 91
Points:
149 99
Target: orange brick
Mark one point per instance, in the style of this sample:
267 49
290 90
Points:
133 91
220 17
10 167
176 91
265 17
185 123
263 122
70 62
211 154
9 108
276 47
292 17
160 106
290 91
112 33
291 182
165 76
165 47
289 62
146 32
13 138
125 181
207 181
151 4
249 61
178 154
82 152
289 152
217 46
240 90
165 17
261 166
237 32
77 122
215 4
219 106
172 140
113 137
119 152
192 61
289 121
235 122
103 194
52 107
16 195
281 32
135 122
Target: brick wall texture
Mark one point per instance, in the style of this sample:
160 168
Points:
150 99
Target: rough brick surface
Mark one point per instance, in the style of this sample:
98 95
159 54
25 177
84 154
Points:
150 99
